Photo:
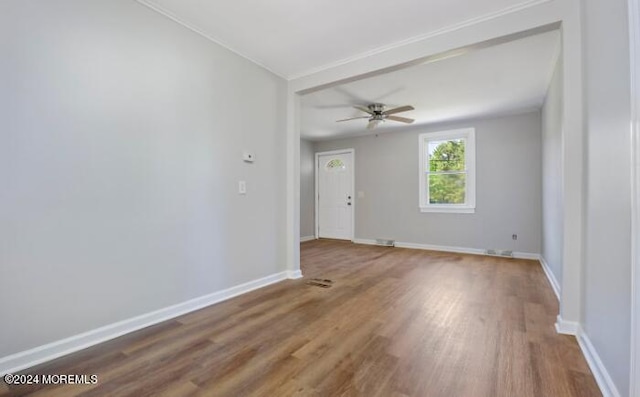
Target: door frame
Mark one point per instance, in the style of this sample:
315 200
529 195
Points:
634 47
316 168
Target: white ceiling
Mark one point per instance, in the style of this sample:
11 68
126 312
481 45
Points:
294 38
501 79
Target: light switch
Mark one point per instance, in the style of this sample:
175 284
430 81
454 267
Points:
242 187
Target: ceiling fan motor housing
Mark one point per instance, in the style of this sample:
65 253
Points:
377 109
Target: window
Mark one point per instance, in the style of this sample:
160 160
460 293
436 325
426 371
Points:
335 164
447 171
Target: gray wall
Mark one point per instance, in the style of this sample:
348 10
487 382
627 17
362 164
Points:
307 188
508 187
552 206
121 136
607 291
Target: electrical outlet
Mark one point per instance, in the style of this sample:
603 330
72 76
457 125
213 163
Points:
514 236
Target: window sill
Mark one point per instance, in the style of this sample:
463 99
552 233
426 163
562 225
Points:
449 210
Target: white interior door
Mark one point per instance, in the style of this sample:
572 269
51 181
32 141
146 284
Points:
335 195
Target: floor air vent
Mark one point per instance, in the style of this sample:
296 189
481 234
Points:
504 253
320 282
383 242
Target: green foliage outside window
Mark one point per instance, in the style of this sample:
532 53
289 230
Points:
447 177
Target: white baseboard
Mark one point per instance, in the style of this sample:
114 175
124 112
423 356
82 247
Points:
307 238
526 255
444 248
364 241
29 358
294 274
551 277
567 327
607 387
600 373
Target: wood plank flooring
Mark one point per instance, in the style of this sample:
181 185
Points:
395 323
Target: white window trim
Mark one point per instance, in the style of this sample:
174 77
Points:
469 134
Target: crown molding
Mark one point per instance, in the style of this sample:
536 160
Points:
169 14
447 29
439 32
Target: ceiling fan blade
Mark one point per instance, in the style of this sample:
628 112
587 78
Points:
399 110
400 119
353 118
364 109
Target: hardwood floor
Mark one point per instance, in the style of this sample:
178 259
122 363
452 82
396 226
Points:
395 322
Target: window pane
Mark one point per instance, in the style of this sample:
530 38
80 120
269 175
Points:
335 164
447 188
446 155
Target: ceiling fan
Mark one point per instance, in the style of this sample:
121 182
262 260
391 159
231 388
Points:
378 114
